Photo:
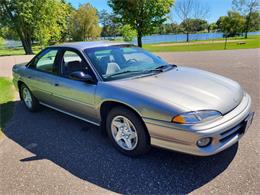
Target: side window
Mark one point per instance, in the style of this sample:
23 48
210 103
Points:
46 61
72 62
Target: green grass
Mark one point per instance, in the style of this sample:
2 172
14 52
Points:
6 101
16 51
251 42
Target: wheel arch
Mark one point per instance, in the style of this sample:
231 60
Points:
108 105
19 84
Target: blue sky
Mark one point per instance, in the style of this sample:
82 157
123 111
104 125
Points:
217 7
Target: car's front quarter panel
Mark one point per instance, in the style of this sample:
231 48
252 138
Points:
19 74
147 107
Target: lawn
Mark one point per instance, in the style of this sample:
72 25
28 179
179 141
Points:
217 44
6 101
16 51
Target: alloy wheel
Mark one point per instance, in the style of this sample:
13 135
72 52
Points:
124 132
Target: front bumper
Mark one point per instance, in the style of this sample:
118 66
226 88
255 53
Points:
224 132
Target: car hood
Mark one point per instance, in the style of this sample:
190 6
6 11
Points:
188 89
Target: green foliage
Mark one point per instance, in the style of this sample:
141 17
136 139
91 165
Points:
8 33
84 23
232 24
2 41
213 27
41 20
254 23
110 28
249 9
142 15
50 21
168 28
128 33
194 25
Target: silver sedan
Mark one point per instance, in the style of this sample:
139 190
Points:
138 98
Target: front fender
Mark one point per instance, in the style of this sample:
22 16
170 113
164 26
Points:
146 106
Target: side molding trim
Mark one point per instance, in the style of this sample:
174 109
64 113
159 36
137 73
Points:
78 117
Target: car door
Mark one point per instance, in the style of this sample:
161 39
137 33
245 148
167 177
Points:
43 74
75 97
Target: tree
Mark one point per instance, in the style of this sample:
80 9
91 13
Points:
168 28
213 27
50 21
1 41
128 33
231 25
254 24
8 33
109 25
84 23
246 8
141 15
187 10
194 25
40 19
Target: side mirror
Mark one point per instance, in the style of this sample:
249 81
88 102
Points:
81 76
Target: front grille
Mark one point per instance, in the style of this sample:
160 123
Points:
237 130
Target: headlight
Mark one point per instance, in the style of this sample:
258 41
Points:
196 117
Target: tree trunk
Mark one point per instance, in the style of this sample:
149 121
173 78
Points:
26 42
246 26
25 38
225 43
27 46
187 37
245 35
139 39
248 18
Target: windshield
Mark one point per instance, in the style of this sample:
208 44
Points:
123 61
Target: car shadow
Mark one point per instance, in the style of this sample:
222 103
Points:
81 149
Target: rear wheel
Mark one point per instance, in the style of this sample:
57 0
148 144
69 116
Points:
30 102
127 132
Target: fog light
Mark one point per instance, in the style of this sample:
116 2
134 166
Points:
203 142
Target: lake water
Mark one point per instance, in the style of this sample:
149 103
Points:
182 37
157 38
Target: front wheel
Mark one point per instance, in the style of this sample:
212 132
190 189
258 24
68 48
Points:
30 102
127 132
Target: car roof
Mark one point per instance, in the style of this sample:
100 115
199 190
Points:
93 44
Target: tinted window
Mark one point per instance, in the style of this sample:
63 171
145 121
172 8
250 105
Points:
46 61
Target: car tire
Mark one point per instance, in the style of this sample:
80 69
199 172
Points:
30 102
134 139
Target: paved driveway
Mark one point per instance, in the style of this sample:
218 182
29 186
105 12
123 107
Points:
7 62
49 152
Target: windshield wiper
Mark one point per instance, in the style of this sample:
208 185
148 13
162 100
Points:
124 72
162 67
157 69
